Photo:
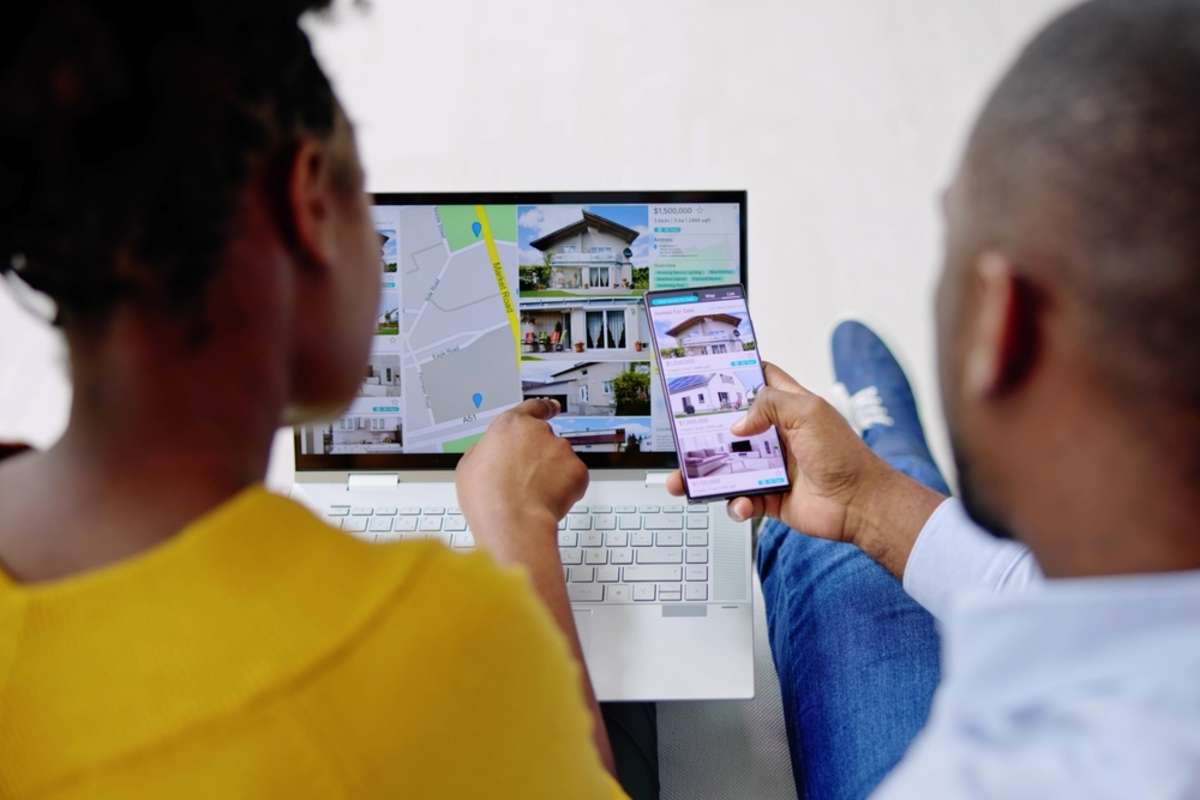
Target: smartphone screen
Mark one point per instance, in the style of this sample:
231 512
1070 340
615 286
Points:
708 359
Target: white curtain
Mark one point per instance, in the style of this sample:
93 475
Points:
616 324
595 326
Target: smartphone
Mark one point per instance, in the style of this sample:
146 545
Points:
708 361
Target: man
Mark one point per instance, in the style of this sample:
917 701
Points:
1069 360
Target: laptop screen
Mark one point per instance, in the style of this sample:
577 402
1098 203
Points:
489 299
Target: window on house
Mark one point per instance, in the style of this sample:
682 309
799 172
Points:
719 348
583 393
723 397
598 277
700 398
608 387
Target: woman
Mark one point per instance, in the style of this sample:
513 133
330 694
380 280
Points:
179 179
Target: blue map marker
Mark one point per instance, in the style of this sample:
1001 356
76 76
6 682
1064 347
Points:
477 398
476 228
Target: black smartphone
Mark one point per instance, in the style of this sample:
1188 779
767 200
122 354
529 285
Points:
707 357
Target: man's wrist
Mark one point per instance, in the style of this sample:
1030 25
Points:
887 515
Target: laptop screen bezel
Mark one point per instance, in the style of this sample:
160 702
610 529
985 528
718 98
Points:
306 462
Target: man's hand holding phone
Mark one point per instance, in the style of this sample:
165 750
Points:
840 489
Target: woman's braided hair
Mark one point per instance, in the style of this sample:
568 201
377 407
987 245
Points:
127 130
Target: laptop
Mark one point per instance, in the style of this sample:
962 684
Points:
491 298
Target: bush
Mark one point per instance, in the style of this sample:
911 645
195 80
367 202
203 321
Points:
633 394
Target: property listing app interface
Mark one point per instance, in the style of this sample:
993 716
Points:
483 306
711 369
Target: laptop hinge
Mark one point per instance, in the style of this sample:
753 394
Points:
372 480
656 480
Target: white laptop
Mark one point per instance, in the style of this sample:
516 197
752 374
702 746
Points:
491 298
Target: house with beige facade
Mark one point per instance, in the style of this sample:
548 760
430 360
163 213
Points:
591 256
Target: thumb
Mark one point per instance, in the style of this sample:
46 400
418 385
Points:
763 413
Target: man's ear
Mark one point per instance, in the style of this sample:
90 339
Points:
1004 334
309 203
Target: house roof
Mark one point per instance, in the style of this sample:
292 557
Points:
572 368
589 220
729 319
609 436
677 385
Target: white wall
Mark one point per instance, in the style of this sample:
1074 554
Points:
843 120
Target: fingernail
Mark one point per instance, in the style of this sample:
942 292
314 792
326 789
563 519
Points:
736 513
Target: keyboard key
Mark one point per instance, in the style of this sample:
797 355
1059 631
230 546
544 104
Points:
601 509
672 521
695 522
592 539
409 511
385 511
604 522
435 510
618 593
455 523
642 538
444 538
431 523
568 539
585 592
672 509
644 591
453 510
695 572
670 538
616 539
697 538
466 540
669 592
580 522
571 555
630 522
697 555
626 509
579 509
696 591
404 524
338 511
655 555
581 574
648 509
651 574
355 525
608 574
361 511
381 524
620 555
562 524
595 555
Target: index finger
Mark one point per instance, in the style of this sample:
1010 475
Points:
538 407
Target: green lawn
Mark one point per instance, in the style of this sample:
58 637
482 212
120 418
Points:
579 293
387 329
461 445
458 222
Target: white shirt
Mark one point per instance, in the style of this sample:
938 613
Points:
1086 687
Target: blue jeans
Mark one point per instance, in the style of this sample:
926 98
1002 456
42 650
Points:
858 659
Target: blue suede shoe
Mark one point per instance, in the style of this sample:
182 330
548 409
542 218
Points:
882 405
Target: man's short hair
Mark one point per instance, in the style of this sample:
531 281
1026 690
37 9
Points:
1086 161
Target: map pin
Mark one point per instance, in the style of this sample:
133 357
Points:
477 399
476 229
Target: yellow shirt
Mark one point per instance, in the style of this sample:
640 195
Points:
260 653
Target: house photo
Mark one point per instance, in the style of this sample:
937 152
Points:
605 434
585 253
567 327
713 393
364 433
383 376
593 388
704 335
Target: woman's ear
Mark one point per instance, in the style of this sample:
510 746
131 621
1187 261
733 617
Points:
310 203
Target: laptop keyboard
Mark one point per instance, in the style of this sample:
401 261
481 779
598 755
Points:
610 554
